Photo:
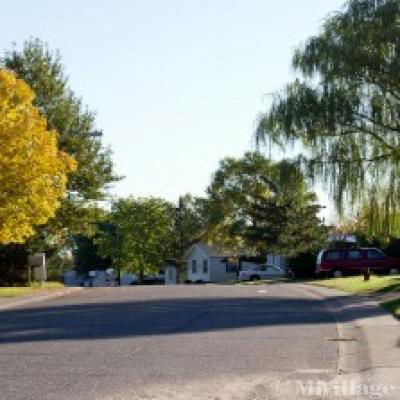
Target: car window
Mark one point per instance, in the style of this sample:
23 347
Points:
263 268
375 255
256 269
354 255
333 255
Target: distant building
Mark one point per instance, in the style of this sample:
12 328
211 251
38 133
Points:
343 237
210 264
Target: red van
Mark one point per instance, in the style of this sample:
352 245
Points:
339 262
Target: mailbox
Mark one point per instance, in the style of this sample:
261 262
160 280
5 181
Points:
40 273
37 261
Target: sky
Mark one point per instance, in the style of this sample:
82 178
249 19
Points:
177 85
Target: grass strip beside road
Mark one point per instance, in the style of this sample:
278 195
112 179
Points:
18 291
357 285
383 285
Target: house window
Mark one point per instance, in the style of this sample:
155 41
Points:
194 266
205 266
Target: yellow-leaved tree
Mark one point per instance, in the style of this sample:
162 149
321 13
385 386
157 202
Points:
33 172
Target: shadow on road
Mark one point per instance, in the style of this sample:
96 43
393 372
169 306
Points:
88 321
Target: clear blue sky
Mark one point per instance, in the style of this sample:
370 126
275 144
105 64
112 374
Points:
177 84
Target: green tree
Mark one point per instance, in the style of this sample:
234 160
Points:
372 220
230 194
188 226
42 69
86 255
264 205
286 225
136 236
344 106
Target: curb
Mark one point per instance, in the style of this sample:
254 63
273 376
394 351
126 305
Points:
39 297
369 344
351 355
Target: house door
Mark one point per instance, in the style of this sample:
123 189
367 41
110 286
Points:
170 276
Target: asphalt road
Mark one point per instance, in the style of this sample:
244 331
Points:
154 342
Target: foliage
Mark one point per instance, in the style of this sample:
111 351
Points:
303 264
264 205
344 107
136 235
86 255
188 226
373 221
43 71
13 264
393 248
34 172
286 225
229 195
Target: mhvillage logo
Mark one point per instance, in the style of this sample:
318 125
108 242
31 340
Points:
370 387
344 389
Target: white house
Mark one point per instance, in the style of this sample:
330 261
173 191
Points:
342 237
208 264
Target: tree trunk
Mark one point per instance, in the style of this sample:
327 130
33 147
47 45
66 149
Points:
367 274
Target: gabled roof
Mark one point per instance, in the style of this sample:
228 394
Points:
211 250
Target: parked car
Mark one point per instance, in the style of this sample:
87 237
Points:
156 279
339 262
260 272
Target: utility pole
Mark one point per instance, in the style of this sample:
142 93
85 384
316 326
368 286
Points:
179 227
96 134
117 243
180 208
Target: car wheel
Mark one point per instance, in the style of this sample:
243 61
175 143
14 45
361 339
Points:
337 273
255 278
394 271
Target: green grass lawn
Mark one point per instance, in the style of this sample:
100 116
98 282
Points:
356 284
27 290
377 284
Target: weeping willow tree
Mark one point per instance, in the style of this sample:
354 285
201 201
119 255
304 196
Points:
344 108
374 221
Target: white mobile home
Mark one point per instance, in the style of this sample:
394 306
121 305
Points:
209 264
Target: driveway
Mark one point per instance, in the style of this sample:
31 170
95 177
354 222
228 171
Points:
167 342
